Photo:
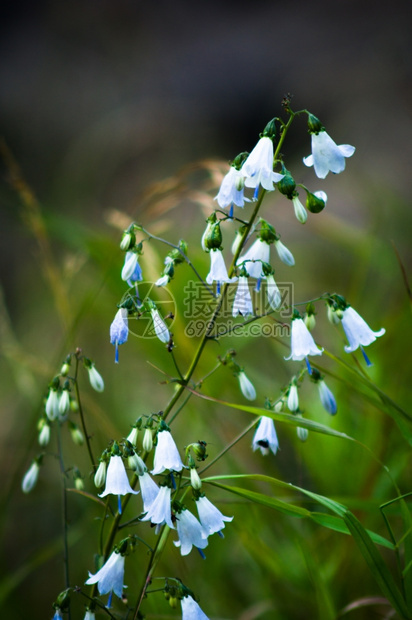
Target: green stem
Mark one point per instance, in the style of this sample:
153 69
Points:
64 514
86 435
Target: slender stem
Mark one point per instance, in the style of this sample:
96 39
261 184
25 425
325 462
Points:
79 402
64 514
230 445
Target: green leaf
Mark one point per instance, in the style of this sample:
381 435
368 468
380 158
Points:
270 502
338 525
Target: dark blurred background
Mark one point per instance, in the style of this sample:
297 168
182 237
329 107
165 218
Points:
101 100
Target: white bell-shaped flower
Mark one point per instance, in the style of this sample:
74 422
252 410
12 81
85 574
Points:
160 326
327 398
327 155
160 511
265 437
231 191
52 404
117 482
119 330
246 386
149 490
110 578
89 615
293 398
210 517
218 272
258 167
357 330
191 610
131 271
273 293
252 260
284 254
190 532
166 454
302 343
95 378
242 303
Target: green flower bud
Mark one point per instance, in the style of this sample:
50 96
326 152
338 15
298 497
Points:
314 124
267 232
270 130
147 443
199 450
100 475
315 203
195 479
240 160
128 241
76 434
287 185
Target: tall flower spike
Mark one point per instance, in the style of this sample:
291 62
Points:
358 332
218 272
258 167
110 578
166 454
190 532
211 519
119 331
160 510
246 386
191 610
326 154
302 343
265 437
242 303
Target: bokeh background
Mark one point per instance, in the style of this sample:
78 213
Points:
122 110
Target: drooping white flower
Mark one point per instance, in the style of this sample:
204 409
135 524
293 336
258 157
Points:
64 402
190 532
166 454
95 378
131 272
272 293
89 615
258 167
149 490
327 398
110 578
133 435
284 254
265 437
231 191
44 433
210 517
293 398
246 386
327 155
252 260
119 331
242 303
117 482
357 330
163 281
160 326
191 610
160 510
218 272
30 477
100 475
300 211
52 404
302 343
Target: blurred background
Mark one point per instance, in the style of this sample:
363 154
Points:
117 111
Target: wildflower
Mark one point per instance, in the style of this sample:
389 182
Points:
44 432
133 435
160 510
243 301
149 490
211 519
284 254
31 476
166 454
358 332
163 281
119 331
195 481
95 378
326 154
160 326
147 443
293 398
258 167
218 272
89 615
191 610
302 433
246 386
111 576
58 614
52 404
265 437
190 532
231 191
117 482
76 434
302 343
100 475
327 398
64 402
316 202
131 272
257 254
300 211
272 292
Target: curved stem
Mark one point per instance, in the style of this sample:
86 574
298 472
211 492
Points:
79 402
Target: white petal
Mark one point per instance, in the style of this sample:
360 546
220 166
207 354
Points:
308 161
190 532
357 330
242 303
211 519
117 482
265 436
166 455
191 610
246 386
